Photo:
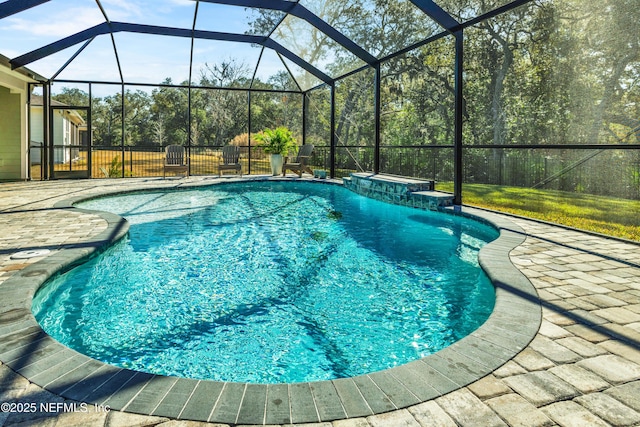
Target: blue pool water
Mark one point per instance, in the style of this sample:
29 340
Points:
269 282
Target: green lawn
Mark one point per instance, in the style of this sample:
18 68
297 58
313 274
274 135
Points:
606 215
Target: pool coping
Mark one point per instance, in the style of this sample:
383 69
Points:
28 350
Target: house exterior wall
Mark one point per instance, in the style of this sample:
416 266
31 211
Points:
60 155
62 136
13 125
36 134
11 167
65 132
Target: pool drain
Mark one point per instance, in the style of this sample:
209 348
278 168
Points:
30 254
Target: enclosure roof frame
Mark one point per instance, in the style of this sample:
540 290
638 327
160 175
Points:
11 7
298 10
116 27
430 8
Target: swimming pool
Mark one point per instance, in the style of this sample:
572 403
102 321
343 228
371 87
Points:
271 282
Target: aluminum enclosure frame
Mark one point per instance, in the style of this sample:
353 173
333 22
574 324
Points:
451 27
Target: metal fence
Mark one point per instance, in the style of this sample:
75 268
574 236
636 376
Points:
594 171
148 161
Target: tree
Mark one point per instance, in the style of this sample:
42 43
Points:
137 109
106 117
169 109
72 97
219 115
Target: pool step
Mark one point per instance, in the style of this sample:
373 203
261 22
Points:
398 190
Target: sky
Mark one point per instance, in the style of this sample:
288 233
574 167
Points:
143 58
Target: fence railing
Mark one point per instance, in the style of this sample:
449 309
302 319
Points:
608 172
148 161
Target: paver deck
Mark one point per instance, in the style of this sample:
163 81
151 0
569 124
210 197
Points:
581 368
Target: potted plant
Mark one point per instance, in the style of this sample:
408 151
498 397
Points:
276 142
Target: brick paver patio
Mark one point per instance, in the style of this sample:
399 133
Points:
581 369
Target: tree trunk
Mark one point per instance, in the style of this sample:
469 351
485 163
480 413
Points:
609 95
497 107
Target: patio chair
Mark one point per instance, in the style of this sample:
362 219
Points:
230 160
298 165
175 159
